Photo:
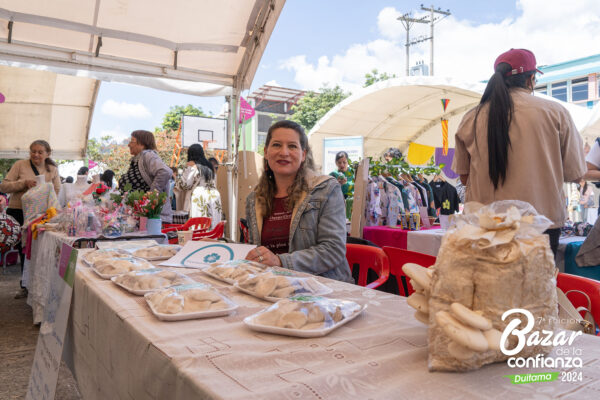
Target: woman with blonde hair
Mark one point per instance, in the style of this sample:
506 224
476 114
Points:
297 218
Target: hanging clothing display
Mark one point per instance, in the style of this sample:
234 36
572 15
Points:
446 197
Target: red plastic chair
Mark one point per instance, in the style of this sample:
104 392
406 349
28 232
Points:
399 257
591 287
244 230
365 258
216 233
192 223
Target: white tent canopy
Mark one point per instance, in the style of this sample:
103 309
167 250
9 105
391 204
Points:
211 41
205 48
396 112
44 105
591 130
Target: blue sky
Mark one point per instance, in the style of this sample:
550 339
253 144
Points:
317 42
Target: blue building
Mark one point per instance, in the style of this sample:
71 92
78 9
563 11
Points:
575 81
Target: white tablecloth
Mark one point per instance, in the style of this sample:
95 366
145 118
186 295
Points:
45 254
425 241
118 350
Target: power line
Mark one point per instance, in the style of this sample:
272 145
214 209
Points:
433 20
407 21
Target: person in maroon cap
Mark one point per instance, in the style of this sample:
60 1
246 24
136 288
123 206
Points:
515 146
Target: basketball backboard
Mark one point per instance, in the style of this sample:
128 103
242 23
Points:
212 131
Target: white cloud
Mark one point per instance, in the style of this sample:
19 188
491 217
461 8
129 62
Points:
125 110
117 134
273 83
554 30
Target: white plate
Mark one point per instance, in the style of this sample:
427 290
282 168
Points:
320 290
299 332
194 315
178 247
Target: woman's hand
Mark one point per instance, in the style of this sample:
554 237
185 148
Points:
342 180
264 256
29 183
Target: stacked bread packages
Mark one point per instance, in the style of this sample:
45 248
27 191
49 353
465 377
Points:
493 260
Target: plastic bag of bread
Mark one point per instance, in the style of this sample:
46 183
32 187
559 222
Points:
158 252
304 316
494 259
144 281
234 271
182 302
92 256
276 285
109 267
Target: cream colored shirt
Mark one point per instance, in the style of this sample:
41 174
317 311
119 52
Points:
14 182
546 150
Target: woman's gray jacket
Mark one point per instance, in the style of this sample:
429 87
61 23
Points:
156 174
317 242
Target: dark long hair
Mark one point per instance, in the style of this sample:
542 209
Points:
196 154
501 108
48 149
266 189
107 177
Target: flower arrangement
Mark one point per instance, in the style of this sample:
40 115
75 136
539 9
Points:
149 204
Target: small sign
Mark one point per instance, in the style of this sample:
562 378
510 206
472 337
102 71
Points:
246 110
199 254
424 217
48 352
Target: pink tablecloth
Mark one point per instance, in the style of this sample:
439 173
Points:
386 236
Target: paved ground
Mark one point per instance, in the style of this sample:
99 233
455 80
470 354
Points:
18 337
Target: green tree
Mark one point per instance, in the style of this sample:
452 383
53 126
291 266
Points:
173 116
376 76
314 105
5 165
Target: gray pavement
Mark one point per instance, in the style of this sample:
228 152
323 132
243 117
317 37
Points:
18 337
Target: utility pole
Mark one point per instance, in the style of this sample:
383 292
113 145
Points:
432 20
408 22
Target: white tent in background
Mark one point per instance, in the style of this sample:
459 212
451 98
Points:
591 130
396 112
45 105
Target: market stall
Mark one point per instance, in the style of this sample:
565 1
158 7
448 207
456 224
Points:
381 353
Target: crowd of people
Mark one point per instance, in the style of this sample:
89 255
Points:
297 218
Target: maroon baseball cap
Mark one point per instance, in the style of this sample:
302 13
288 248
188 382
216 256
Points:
521 60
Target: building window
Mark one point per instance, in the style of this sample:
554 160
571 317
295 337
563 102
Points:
542 89
579 89
261 139
559 91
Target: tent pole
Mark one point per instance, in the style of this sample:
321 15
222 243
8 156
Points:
232 170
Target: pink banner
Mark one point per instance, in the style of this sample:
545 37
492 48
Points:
246 110
91 164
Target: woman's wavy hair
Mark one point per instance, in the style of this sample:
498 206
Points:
48 149
500 115
265 190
